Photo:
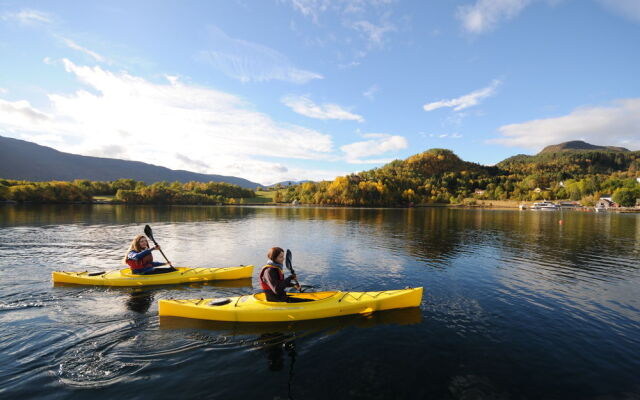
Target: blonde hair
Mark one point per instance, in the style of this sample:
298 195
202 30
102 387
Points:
135 246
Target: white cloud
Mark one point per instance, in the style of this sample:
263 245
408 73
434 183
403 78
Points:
28 17
379 144
618 124
298 174
73 45
465 101
19 112
371 92
373 33
370 19
311 8
252 62
162 123
442 135
626 8
351 64
305 106
315 8
484 15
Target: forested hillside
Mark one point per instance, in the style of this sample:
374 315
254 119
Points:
575 171
123 191
439 176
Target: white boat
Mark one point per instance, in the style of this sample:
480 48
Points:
545 206
600 208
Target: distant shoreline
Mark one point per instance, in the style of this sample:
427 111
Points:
480 204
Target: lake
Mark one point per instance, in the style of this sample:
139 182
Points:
516 305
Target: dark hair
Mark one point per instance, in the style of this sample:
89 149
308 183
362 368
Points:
274 252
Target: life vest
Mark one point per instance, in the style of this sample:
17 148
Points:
263 283
141 263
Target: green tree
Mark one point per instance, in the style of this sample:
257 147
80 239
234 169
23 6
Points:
126 184
626 197
4 192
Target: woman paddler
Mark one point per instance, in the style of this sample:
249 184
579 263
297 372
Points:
140 260
272 278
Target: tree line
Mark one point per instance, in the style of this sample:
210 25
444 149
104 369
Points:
436 176
123 191
439 176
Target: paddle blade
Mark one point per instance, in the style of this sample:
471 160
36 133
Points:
288 261
149 233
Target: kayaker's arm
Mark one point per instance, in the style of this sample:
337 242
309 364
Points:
275 282
287 281
137 256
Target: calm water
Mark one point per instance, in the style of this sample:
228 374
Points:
516 305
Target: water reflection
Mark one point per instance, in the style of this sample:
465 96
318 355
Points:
140 300
514 303
280 342
274 345
52 214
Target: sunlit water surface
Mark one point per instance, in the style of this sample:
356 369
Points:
516 305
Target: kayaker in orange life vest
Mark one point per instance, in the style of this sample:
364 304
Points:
140 260
272 278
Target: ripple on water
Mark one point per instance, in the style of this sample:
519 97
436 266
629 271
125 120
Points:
21 305
90 359
93 366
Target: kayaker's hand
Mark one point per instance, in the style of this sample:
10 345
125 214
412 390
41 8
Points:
294 277
156 247
297 286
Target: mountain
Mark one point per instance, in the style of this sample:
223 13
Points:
578 145
572 159
433 162
569 159
24 160
288 183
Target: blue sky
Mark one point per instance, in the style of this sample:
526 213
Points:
275 90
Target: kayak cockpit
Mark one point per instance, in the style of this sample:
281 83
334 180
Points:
126 272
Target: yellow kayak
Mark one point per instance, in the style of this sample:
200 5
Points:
124 277
255 308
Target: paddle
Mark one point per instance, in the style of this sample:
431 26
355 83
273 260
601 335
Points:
149 233
290 268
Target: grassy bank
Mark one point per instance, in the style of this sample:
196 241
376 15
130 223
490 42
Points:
262 197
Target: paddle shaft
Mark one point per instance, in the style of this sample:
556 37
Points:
149 232
290 268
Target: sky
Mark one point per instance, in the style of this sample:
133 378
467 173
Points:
279 90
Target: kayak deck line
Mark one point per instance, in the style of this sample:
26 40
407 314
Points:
362 294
